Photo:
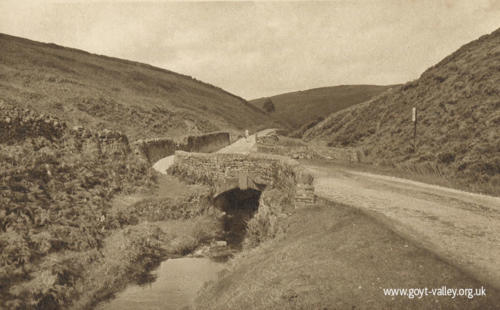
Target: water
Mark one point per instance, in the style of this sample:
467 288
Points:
179 280
177 284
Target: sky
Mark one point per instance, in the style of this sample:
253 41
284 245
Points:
257 49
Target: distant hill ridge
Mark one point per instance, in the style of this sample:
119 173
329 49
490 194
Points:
97 91
458 109
299 108
126 61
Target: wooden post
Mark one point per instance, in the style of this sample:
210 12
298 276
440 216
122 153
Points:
414 119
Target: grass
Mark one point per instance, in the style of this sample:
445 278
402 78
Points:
429 174
457 103
299 108
99 92
129 254
335 257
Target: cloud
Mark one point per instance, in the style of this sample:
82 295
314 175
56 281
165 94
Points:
263 48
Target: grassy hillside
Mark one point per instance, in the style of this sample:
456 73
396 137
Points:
299 108
102 92
458 103
335 257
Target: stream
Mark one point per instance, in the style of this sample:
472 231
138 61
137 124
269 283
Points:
178 282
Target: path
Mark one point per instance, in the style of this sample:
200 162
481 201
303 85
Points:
241 146
462 228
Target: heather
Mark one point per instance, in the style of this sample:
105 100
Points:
458 106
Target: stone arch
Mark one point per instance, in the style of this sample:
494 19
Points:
239 206
243 182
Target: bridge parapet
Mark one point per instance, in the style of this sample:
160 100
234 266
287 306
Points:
155 149
226 171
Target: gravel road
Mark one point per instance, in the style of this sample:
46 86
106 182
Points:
461 228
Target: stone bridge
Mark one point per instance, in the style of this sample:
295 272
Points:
155 149
224 172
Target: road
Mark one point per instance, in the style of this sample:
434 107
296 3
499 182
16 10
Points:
461 228
241 146
244 145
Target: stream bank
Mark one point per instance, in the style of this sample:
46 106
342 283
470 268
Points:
199 248
336 257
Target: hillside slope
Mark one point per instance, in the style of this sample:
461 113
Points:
103 92
458 135
296 109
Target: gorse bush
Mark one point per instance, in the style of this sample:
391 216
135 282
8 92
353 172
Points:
446 157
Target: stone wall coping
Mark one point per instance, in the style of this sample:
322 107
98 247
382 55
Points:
180 139
254 156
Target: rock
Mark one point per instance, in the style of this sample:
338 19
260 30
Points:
221 243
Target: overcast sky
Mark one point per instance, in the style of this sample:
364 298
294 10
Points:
256 49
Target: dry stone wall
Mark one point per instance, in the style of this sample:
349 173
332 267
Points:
18 124
153 150
297 149
339 154
280 145
295 152
109 143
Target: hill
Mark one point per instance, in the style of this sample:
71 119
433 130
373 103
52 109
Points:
299 108
458 107
100 92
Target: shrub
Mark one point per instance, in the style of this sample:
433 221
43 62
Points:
265 223
54 194
268 106
446 157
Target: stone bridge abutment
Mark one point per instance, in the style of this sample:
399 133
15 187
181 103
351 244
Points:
254 171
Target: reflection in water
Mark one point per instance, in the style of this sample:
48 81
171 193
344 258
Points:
178 281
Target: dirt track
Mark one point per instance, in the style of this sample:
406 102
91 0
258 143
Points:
462 228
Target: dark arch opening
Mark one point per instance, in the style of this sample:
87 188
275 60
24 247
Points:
239 206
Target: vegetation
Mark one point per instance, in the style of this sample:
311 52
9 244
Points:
296 109
335 257
300 132
57 222
100 92
268 106
266 224
458 121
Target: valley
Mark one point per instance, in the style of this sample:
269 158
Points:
121 182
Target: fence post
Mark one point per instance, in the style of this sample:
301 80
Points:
414 119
